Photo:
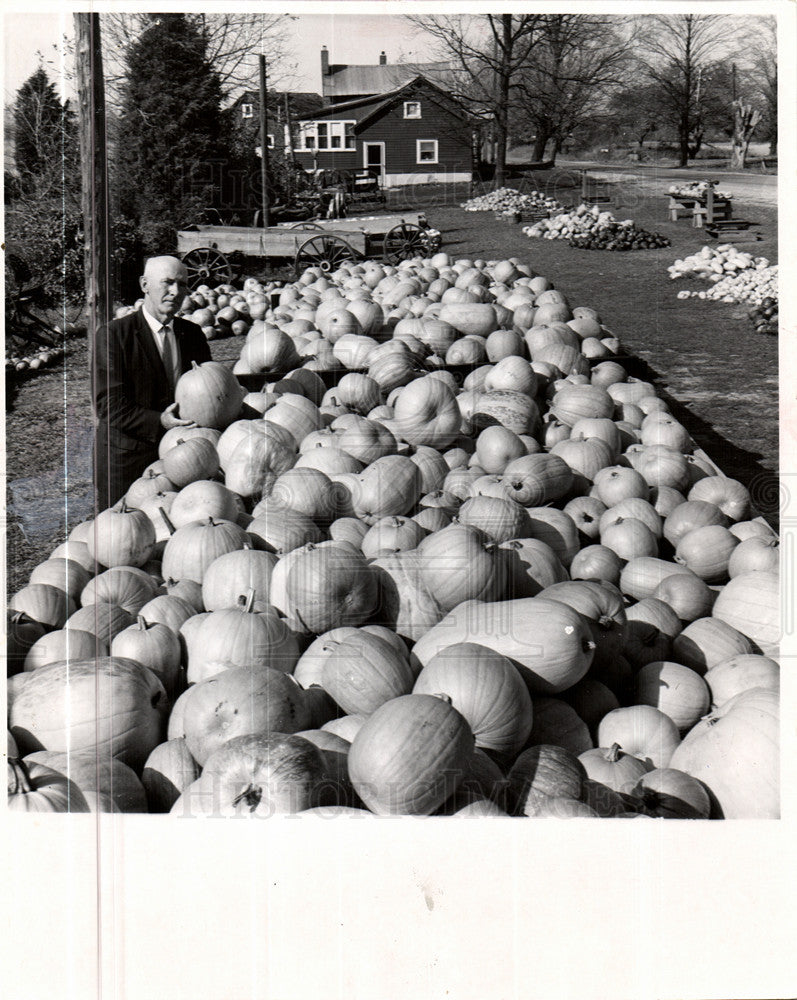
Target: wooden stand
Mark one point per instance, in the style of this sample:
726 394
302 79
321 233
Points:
594 191
711 209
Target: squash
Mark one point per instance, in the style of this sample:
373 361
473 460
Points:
390 485
536 480
241 637
190 461
209 394
392 534
258 459
591 700
123 586
121 537
330 586
113 706
470 318
203 499
531 566
107 784
513 410
690 515
732 498
22 633
281 530
168 771
548 642
641 730
239 702
49 606
406 603
499 519
689 596
754 555
64 644
363 670
677 690
64 574
101 620
596 562
192 548
750 603
426 413
708 641
558 724
740 673
640 577
152 645
410 755
612 767
575 402
235 573
487 689
540 774
257 776
735 753
557 530
671 794
458 564
35 788
707 552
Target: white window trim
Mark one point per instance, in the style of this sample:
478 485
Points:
418 159
406 107
270 140
247 111
311 127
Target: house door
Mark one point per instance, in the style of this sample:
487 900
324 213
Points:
374 159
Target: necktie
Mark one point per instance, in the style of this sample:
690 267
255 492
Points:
168 358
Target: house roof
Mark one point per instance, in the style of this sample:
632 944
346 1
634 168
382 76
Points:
376 104
349 81
300 102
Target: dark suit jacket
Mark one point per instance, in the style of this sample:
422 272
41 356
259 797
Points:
130 393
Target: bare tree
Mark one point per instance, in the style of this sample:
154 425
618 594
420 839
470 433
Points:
765 69
579 62
677 50
486 53
233 41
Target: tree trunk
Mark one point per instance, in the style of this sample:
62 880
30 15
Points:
502 108
745 120
540 142
94 173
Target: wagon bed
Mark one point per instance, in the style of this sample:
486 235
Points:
211 253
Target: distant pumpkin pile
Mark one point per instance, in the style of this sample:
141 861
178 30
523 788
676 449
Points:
587 227
525 594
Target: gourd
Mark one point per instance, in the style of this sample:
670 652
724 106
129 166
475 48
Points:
409 756
209 395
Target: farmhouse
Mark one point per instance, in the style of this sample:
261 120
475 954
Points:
413 134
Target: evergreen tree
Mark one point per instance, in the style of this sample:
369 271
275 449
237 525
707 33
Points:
44 130
170 147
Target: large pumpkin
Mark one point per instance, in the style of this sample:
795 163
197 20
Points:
410 755
121 537
487 689
192 548
543 773
363 670
548 642
735 753
113 706
426 413
209 394
330 586
750 603
459 564
240 702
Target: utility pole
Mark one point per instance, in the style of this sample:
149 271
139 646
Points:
94 172
263 142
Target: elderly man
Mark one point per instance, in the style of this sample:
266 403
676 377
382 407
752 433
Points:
137 362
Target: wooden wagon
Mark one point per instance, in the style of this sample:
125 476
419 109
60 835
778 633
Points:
213 254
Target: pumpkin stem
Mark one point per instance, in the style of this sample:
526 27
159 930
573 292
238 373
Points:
613 753
194 364
250 795
247 600
180 441
141 622
167 521
123 508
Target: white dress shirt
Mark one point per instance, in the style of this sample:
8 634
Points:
162 331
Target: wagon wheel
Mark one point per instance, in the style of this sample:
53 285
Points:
207 266
306 225
402 242
324 252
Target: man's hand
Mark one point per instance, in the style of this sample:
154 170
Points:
170 419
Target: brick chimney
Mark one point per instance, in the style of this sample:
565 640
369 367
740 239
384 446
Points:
324 61
382 59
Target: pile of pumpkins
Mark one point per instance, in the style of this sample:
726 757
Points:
33 361
223 311
587 227
511 200
366 587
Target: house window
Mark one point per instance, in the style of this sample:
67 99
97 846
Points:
327 135
412 109
247 111
426 151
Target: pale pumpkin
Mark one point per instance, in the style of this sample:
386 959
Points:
410 755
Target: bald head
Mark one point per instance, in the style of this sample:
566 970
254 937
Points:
164 283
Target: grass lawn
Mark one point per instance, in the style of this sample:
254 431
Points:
720 377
